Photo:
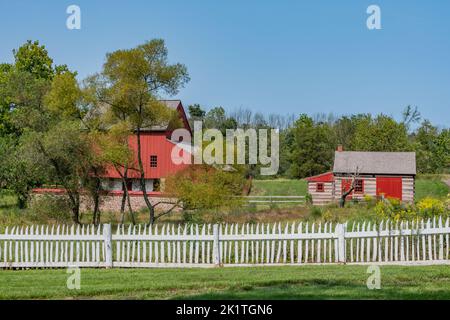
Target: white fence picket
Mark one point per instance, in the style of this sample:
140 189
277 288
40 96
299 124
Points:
247 244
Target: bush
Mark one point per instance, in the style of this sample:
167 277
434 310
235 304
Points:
395 210
204 187
430 207
50 207
370 201
316 212
308 198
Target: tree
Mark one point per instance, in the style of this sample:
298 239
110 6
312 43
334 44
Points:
63 154
34 59
196 111
345 193
381 134
131 82
216 118
432 148
45 108
312 149
6 126
17 170
23 86
410 115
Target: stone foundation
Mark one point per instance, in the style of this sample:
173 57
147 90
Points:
113 202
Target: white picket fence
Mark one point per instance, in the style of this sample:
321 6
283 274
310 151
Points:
418 242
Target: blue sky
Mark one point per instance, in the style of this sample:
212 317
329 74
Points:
272 57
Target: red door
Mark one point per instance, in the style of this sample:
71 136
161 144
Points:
390 187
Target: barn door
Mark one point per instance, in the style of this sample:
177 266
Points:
390 187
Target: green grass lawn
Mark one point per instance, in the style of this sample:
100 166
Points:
435 188
307 282
279 187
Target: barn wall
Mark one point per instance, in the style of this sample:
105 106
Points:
152 143
370 187
408 189
321 198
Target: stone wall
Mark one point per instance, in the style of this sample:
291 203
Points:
112 203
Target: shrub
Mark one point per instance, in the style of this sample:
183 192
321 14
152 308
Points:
308 198
395 210
204 187
50 207
429 207
328 216
370 201
316 212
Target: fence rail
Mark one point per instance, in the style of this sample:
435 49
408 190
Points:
418 242
275 199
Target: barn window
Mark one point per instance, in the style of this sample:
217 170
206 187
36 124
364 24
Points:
153 161
320 187
157 185
359 186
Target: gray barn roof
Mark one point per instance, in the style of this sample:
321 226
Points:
171 104
401 163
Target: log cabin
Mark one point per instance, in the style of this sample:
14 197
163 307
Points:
377 174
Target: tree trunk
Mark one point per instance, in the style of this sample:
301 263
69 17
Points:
142 180
95 194
96 197
130 209
22 201
75 210
344 197
124 187
125 198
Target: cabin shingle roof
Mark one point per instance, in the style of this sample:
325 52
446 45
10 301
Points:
401 163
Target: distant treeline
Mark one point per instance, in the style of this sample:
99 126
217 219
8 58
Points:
307 143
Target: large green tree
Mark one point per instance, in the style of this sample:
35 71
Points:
312 149
381 133
433 148
131 83
45 109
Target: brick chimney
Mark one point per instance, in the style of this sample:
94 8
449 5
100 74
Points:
339 148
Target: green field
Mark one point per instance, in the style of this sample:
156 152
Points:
279 187
425 187
434 188
304 282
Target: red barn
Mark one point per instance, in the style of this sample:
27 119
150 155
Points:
388 174
156 148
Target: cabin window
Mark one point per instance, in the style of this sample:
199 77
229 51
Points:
359 186
153 161
320 187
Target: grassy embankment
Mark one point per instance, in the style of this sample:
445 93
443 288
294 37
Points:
304 282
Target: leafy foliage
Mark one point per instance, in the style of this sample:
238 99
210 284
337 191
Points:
204 187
